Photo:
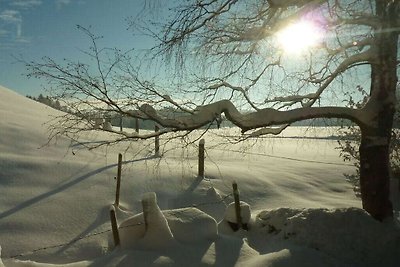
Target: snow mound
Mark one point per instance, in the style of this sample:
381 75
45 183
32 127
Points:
131 230
157 233
107 126
187 225
155 229
191 225
348 233
207 199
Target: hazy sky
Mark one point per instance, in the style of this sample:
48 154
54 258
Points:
35 28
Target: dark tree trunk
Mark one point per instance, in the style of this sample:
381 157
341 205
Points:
375 179
376 135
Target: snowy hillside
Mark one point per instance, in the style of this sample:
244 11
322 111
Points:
55 200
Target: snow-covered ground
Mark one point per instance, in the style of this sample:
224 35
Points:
55 201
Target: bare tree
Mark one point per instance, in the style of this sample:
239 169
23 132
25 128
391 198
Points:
226 59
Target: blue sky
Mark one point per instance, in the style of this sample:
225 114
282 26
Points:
35 28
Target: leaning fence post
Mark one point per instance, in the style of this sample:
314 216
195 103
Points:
157 142
237 204
118 180
114 226
201 158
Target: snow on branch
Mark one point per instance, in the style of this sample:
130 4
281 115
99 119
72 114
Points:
247 121
268 130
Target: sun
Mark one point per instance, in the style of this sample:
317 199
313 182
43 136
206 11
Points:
299 37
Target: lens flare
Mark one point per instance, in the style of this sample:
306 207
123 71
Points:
299 37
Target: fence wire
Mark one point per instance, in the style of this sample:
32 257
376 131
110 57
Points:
282 157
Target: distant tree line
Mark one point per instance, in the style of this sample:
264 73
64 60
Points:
54 103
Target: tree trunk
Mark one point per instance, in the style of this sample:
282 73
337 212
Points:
375 179
376 134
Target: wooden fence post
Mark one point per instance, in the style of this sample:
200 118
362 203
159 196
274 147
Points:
157 142
114 226
118 180
237 204
148 200
137 125
120 123
201 158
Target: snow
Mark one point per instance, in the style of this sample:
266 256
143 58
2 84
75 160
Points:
327 231
265 117
157 233
167 227
245 212
191 225
1 262
55 200
107 126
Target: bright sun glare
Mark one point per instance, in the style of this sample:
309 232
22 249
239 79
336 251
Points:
298 37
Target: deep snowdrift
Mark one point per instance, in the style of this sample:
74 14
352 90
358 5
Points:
55 201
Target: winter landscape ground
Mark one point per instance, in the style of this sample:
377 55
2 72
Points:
55 200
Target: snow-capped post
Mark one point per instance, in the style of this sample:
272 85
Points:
118 180
149 200
157 142
201 158
237 204
137 125
157 231
114 226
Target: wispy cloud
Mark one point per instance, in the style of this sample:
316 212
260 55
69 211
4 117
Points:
25 4
11 16
61 3
13 19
